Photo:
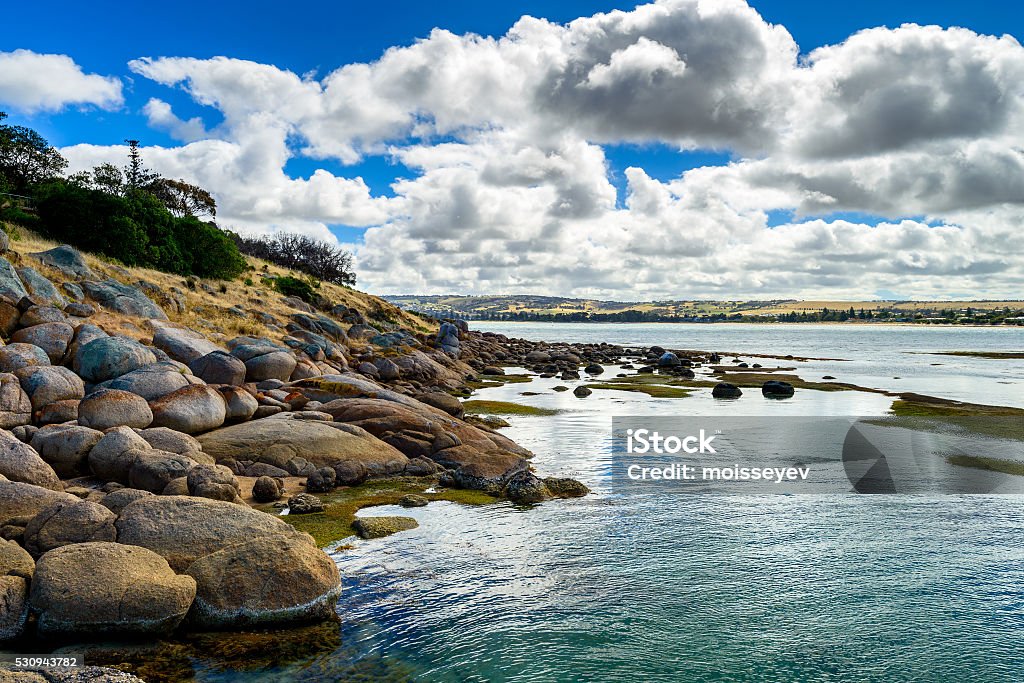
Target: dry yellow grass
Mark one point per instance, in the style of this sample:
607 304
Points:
208 312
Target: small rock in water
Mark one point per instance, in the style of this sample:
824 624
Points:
777 389
379 527
726 390
582 392
413 501
564 487
304 504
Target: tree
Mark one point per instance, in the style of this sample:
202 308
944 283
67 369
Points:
183 199
136 175
316 258
26 158
108 178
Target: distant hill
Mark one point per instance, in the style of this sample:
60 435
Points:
552 308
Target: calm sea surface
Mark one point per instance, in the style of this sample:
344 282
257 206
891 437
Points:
629 586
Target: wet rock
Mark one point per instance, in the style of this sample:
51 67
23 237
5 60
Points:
593 369
266 580
192 409
65 259
526 488
413 501
219 367
304 504
564 487
65 523
668 360
122 298
19 462
102 588
108 408
110 357
776 389
582 391
726 390
66 448
379 527
49 383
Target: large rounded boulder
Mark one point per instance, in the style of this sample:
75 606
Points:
266 580
108 408
153 470
153 381
191 410
18 499
219 367
110 357
20 462
112 457
65 523
15 406
50 383
21 355
66 448
183 529
52 338
279 439
104 588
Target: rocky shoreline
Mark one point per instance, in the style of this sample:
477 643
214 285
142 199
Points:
136 473
143 477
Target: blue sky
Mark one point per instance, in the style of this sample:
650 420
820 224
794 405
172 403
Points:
921 148
103 36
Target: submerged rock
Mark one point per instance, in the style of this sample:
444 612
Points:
379 527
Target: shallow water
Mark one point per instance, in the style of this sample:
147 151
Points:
645 585
874 355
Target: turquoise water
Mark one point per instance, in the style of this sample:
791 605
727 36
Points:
624 585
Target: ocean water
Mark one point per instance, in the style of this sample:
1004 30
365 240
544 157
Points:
641 585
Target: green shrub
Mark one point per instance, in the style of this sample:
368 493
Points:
137 230
293 286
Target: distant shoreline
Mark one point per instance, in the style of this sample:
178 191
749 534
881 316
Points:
830 323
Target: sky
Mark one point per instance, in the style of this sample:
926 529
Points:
678 149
